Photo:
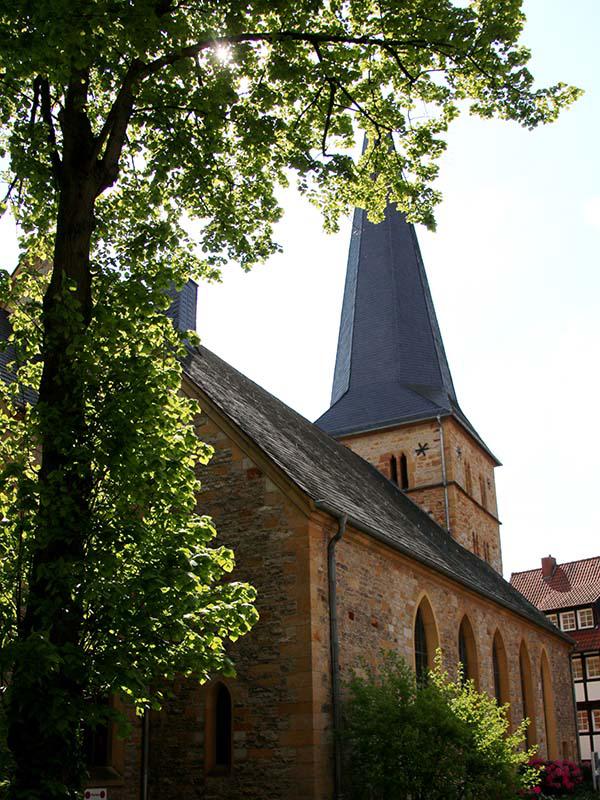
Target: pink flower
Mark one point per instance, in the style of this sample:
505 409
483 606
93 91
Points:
537 790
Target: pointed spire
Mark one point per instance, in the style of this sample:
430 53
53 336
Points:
391 366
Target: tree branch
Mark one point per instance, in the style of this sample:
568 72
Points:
291 36
115 128
46 106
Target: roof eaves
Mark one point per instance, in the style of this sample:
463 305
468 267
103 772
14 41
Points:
373 532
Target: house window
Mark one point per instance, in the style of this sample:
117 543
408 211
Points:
596 719
585 618
592 666
403 472
567 621
394 470
583 722
577 669
553 619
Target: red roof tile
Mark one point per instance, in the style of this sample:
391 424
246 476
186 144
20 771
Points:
572 584
586 640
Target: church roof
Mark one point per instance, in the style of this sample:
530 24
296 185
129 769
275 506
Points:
338 479
391 367
574 583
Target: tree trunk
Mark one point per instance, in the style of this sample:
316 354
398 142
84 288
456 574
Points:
45 700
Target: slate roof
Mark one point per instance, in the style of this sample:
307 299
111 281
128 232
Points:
332 474
572 584
391 366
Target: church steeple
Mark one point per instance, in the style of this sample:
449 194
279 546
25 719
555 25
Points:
393 400
391 365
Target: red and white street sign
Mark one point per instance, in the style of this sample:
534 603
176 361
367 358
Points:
95 794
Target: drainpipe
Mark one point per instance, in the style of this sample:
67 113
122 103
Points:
145 753
334 646
444 478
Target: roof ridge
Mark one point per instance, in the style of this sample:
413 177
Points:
561 564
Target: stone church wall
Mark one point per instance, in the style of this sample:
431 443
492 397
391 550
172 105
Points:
472 506
282 736
379 591
272 695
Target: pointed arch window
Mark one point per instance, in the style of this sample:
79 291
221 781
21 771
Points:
467 652
425 638
403 471
394 470
421 652
500 669
219 730
527 695
549 714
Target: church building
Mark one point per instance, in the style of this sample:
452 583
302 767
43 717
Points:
375 528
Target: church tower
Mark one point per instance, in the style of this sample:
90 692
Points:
393 400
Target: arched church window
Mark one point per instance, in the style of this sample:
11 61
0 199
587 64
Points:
394 470
403 472
549 715
467 651
421 654
500 668
425 640
219 738
527 695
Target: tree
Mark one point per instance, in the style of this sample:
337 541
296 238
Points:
120 118
438 740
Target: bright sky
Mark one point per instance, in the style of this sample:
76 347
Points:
513 269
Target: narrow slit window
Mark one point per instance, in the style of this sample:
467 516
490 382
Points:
468 481
223 728
403 472
394 470
496 667
421 654
219 731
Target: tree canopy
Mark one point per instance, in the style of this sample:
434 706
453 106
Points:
119 120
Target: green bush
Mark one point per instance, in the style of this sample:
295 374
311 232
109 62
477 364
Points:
442 740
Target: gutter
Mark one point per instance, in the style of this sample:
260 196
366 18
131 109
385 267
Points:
334 646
